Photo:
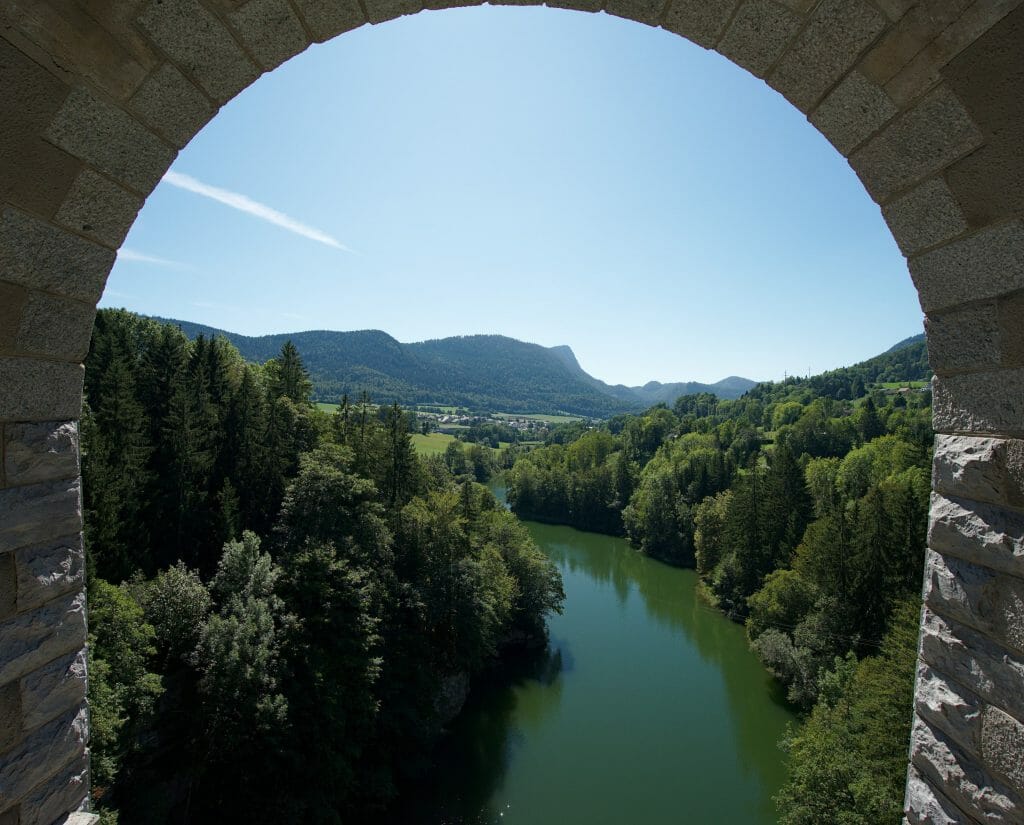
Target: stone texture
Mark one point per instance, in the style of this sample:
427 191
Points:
39 512
963 339
758 35
982 534
988 76
41 756
66 790
55 327
35 389
270 31
981 403
8 586
36 175
378 11
327 18
950 708
111 140
924 217
10 715
1010 317
852 112
43 451
643 11
982 469
917 144
12 301
984 265
12 816
702 21
51 690
99 209
575 5
1002 747
80 818
826 50
200 44
991 603
33 639
972 660
169 103
940 761
48 570
926 806
36 254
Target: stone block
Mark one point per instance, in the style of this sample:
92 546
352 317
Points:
200 44
38 255
852 112
983 534
48 570
80 818
925 805
963 339
643 11
99 208
983 403
575 5
35 389
63 793
702 21
43 451
1010 312
8 586
53 689
379 11
328 18
270 31
55 327
916 145
978 597
41 755
36 175
169 103
34 639
924 217
12 301
111 140
988 264
963 780
980 469
826 50
10 716
758 35
39 512
949 708
1002 747
973 661
12 816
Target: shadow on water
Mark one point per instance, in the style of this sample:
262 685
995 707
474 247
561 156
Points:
471 757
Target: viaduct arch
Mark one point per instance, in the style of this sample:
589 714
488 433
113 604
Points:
924 97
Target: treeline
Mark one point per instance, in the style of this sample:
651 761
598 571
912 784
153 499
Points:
804 512
285 605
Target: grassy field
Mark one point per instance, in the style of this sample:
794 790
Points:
327 408
431 444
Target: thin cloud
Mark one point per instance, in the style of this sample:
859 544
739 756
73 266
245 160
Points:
126 254
245 204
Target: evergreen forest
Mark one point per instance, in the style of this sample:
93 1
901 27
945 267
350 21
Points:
285 605
803 507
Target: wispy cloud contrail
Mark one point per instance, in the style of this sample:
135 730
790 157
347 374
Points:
246 204
126 254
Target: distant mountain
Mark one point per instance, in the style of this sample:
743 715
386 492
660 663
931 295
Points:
906 342
476 371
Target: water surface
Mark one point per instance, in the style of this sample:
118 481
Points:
647 708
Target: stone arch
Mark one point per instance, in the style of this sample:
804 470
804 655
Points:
922 96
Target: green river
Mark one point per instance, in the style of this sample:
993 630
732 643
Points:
646 708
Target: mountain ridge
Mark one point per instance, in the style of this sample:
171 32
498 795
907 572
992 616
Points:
467 370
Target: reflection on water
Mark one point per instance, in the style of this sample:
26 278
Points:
646 707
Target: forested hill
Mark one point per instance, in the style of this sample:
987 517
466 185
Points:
477 371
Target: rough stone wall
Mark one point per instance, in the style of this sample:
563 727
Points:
922 96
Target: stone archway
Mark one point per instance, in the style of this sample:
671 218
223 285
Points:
922 96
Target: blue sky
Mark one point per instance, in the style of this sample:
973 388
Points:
557 177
